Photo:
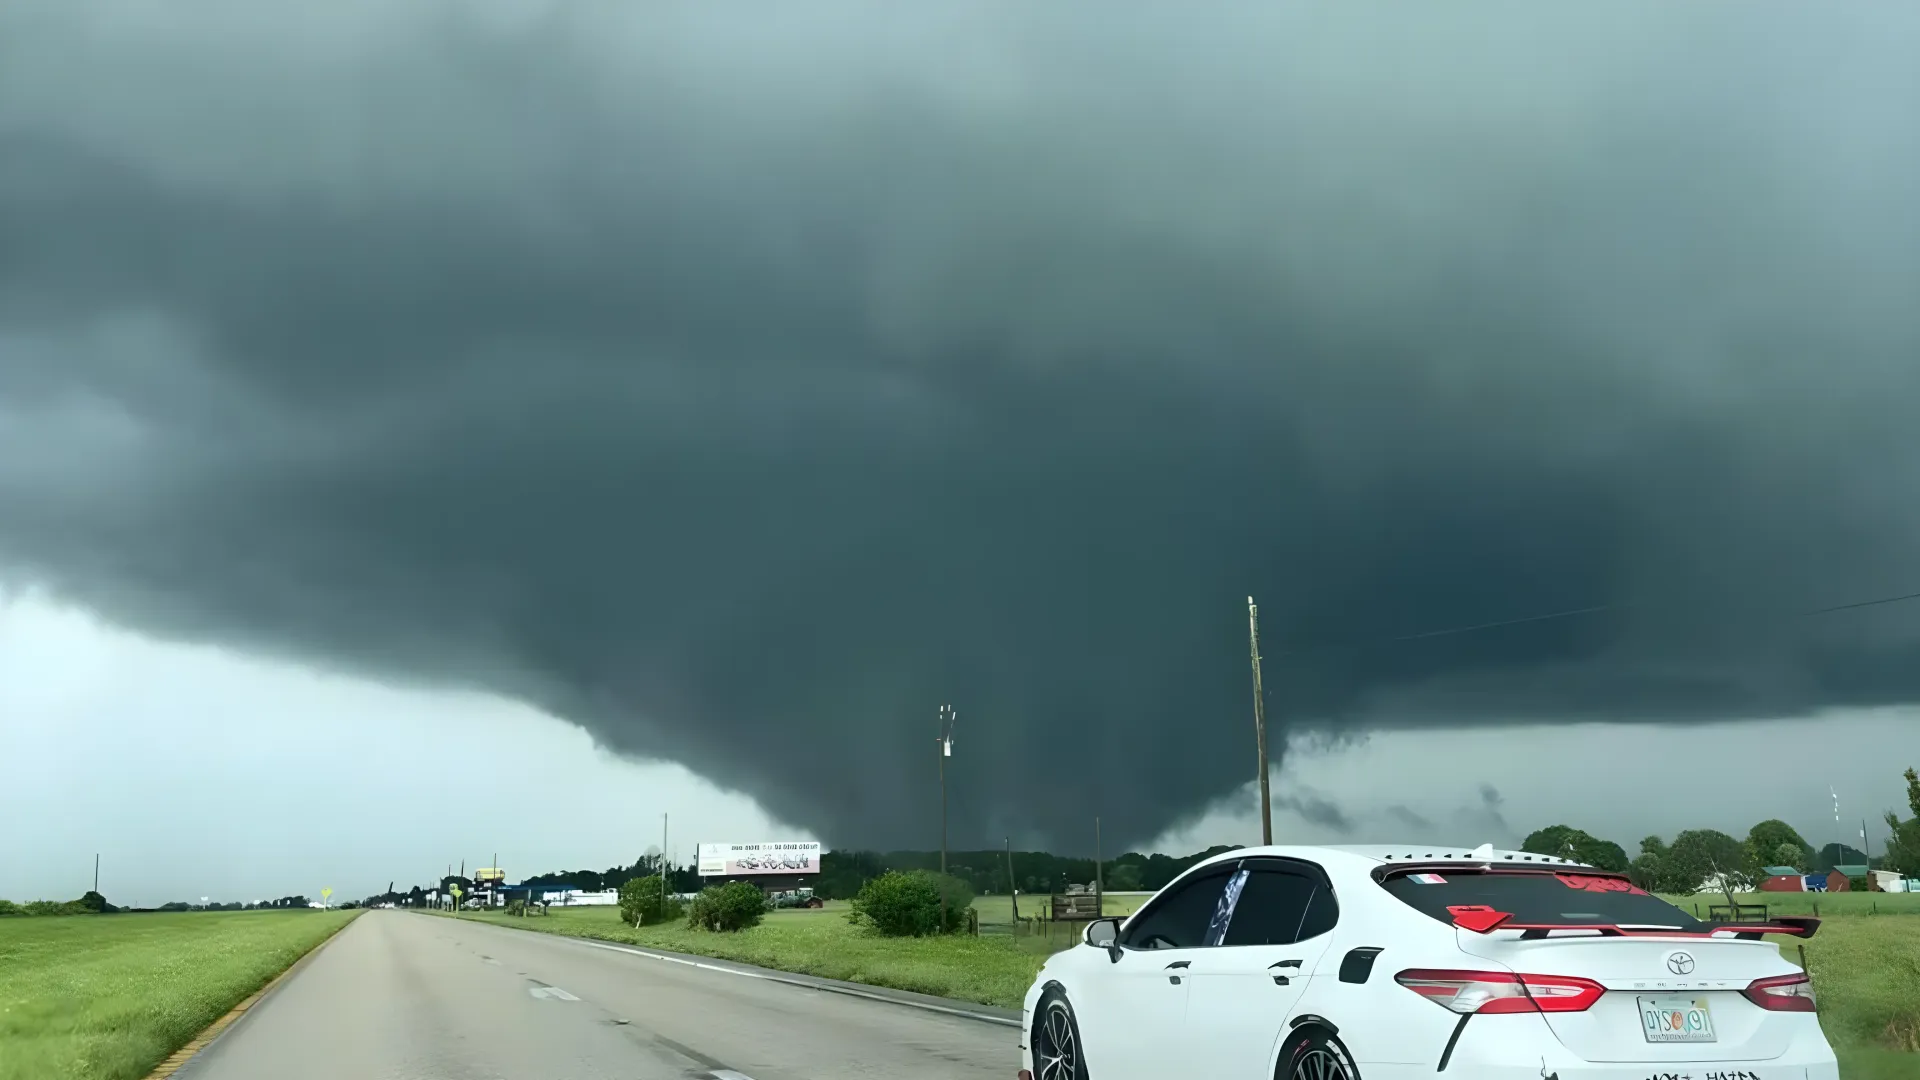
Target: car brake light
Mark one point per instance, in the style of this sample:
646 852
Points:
1485 993
1782 993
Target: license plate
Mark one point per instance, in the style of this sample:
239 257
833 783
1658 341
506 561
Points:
1676 1020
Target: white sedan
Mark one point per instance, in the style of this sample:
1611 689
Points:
1322 963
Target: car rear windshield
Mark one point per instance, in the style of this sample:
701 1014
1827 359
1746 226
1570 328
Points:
1542 899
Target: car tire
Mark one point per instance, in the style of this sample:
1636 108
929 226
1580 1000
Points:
1313 1054
1055 1039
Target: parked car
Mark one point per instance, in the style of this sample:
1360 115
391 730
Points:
1320 963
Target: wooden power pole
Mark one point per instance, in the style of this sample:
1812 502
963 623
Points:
947 715
1260 723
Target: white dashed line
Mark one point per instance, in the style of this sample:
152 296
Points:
550 992
728 1074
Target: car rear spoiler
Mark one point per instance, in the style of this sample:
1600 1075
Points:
1485 920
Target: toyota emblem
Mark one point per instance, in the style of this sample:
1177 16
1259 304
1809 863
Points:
1680 963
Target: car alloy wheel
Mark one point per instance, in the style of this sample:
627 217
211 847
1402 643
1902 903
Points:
1320 1063
1057 1057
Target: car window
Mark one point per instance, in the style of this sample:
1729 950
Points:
1537 899
1271 909
1178 918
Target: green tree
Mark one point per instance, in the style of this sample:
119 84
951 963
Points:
1766 840
1789 855
899 904
1645 868
1567 842
907 904
645 901
727 908
1124 877
1903 848
1697 855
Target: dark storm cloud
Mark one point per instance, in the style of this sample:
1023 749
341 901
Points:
1316 809
1490 802
742 387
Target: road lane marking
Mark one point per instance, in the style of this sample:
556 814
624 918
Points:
728 1074
550 992
928 1006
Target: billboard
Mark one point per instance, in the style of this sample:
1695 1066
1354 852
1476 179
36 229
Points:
738 860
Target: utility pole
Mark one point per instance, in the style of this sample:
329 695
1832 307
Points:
947 717
1839 834
1013 887
663 865
96 872
1099 874
1260 723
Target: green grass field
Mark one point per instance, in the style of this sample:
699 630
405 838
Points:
1866 974
1866 968
997 911
108 997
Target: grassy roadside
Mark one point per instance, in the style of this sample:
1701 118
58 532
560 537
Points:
108 997
1866 974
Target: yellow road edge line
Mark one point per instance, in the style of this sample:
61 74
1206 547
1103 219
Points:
199 1042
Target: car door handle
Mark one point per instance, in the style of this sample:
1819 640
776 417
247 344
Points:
1177 965
1282 980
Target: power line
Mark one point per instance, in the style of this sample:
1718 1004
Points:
1569 613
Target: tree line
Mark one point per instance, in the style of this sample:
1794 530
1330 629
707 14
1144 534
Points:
1696 857
1683 866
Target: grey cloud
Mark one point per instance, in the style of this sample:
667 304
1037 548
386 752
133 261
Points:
1421 826
742 389
1316 809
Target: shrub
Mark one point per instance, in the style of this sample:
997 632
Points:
726 908
907 904
53 907
8 907
516 907
646 902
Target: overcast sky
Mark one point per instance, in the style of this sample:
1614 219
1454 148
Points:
731 392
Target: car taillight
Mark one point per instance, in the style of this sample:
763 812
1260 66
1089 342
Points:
1782 993
1488 992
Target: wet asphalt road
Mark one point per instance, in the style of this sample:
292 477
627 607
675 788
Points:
400 996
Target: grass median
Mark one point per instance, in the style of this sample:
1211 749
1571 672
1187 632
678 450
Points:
108 997
1866 967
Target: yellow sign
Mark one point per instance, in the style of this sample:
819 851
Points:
326 892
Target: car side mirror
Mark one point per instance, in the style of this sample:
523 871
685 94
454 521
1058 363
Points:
1105 934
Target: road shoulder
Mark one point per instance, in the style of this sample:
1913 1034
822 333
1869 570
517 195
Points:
179 1062
988 1014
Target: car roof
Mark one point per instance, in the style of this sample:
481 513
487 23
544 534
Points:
1367 856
